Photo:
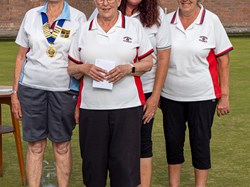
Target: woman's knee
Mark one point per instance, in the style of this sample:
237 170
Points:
62 147
37 147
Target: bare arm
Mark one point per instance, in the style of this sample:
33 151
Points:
20 59
143 65
152 102
79 70
74 70
120 71
223 106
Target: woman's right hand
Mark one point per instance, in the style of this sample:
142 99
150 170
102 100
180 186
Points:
77 114
16 106
95 72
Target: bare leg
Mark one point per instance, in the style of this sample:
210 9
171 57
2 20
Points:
174 174
34 162
200 177
63 157
146 172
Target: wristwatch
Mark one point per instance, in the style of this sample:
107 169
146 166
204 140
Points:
132 68
13 92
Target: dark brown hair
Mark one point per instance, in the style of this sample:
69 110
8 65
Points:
149 13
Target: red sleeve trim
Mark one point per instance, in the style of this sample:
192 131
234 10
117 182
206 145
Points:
146 54
74 60
224 52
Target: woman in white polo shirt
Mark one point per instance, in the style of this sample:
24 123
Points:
197 83
111 53
153 19
154 22
44 95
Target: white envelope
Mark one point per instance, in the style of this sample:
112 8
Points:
107 65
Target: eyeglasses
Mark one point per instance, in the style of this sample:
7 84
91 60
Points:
102 1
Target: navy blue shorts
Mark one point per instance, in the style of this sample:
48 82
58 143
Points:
146 136
47 114
199 118
110 142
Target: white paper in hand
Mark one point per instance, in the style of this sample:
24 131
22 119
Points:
107 65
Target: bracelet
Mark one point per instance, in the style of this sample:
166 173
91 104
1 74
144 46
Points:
13 92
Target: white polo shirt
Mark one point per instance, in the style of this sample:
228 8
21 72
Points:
41 71
160 39
124 43
192 73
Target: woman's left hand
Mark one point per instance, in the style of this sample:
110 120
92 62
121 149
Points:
118 73
150 109
223 107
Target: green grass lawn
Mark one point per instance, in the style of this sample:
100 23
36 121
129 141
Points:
230 145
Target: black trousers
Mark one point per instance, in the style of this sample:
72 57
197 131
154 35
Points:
110 142
199 118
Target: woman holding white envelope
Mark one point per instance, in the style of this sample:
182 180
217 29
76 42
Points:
109 55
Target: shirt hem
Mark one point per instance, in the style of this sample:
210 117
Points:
181 99
109 108
45 88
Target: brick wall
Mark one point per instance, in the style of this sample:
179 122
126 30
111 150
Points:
235 15
12 13
231 12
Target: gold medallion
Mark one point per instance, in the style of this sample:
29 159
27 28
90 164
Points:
51 51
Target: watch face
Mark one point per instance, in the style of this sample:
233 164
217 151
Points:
133 69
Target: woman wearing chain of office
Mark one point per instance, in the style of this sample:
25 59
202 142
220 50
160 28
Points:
44 95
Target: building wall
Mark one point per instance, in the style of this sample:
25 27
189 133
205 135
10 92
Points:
232 13
235 15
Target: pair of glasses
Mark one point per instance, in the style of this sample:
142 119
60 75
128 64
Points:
102 1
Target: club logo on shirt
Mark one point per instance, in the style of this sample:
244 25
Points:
127 39
203 39
65 33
